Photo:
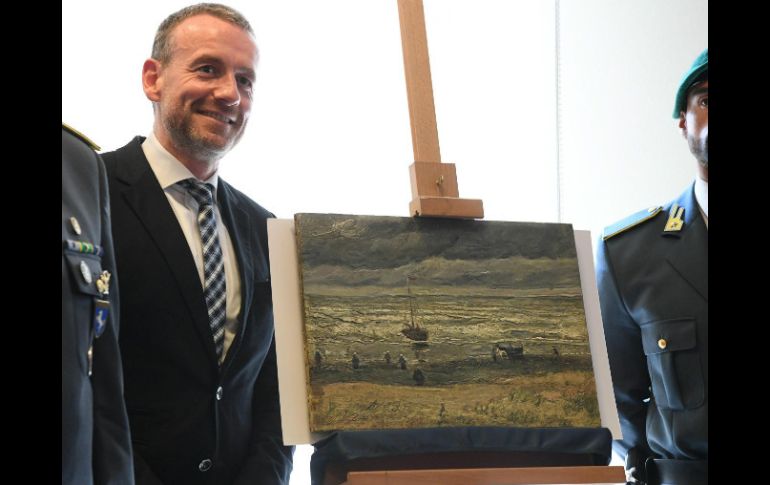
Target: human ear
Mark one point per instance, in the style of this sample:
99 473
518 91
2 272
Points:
151 79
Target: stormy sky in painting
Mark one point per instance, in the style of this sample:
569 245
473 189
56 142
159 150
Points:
368 250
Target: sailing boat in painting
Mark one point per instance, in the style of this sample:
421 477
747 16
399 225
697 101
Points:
412 330
416 322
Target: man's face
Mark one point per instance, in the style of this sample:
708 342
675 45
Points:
204 92
695 122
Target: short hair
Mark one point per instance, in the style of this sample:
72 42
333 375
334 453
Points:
161 46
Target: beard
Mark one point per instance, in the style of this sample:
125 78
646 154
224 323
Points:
699 147
193 140
704 153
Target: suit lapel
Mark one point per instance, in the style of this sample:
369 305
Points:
690 256
243 236
145 197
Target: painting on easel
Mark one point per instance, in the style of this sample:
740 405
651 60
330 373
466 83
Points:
423 322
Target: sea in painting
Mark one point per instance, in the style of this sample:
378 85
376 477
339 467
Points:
425 322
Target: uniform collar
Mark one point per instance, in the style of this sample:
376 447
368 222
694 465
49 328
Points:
702 195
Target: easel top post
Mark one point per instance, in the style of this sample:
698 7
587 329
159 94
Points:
419 87
434 184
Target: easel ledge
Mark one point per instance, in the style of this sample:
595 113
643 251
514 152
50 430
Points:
597 475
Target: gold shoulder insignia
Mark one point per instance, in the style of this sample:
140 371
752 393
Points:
631 221
675 220
83 137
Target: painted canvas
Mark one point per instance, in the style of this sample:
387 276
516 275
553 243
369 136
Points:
424 322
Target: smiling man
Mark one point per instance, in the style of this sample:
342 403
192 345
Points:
197 321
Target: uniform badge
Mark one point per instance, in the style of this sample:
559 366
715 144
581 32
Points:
86 272
75 225
103 283
101 313
675 219
84 247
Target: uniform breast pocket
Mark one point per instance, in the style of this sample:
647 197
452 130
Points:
674 362
84 270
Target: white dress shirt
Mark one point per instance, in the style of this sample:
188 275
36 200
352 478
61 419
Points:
702 197
168 170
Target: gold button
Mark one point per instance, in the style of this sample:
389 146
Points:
662 343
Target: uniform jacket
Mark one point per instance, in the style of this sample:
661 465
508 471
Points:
95 441
653 289
193 422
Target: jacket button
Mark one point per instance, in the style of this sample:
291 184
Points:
204 465
662 343
219 393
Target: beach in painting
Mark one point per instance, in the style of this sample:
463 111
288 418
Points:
415 323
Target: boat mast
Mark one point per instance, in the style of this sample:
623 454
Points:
411 300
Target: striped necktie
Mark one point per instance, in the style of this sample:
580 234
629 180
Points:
213 264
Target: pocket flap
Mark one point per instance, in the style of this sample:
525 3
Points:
79 265
668 335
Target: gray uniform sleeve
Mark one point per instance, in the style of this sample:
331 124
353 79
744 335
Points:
628 364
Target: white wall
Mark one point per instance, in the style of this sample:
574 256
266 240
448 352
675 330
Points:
621 62
330 126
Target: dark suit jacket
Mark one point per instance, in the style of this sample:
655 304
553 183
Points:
95 443
653 290
192 422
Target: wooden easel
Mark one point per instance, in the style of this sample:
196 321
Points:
435 193
434 184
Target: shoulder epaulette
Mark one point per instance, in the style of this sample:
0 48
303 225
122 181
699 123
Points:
83 137
631 221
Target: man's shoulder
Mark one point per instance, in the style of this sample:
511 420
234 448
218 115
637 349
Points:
667 220
127 163
128 150
80 162
632 223
79 136
246 202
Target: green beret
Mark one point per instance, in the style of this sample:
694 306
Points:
700 66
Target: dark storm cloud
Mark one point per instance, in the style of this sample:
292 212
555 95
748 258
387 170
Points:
371 242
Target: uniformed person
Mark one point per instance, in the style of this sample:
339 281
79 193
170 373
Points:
652 272
96 447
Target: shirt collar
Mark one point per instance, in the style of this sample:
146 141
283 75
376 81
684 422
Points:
168 170
702 195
